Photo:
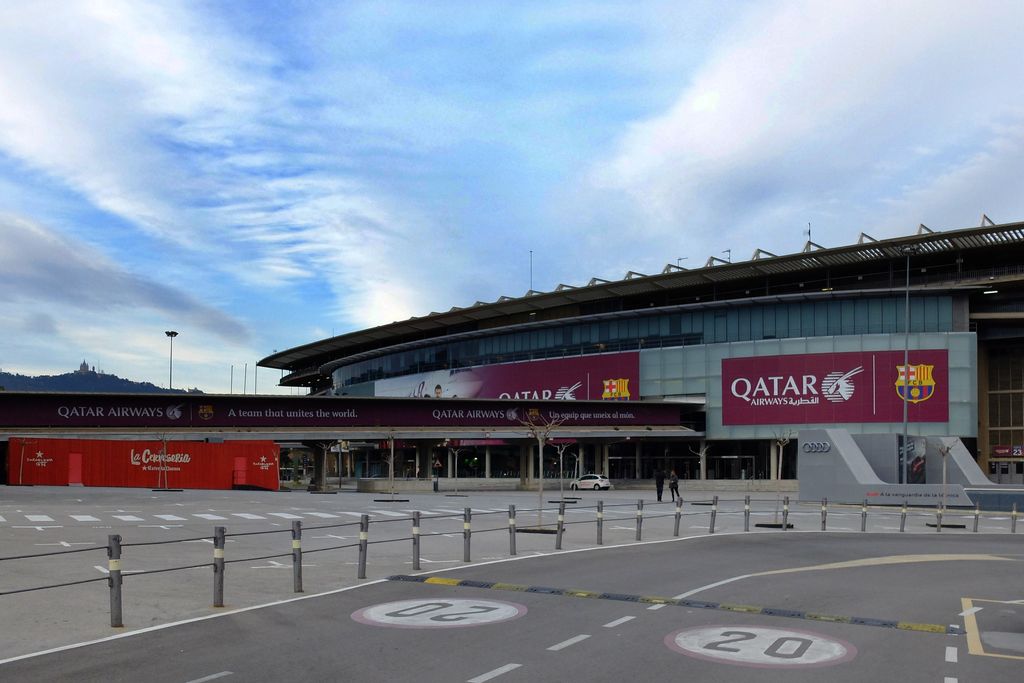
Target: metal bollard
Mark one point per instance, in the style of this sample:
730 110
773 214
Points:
903 517
746 513
297 556
679 514
561 525
938 518
218 566
639 518
785 513
977 514
1013 519
416 540
364 535
467 516
114 580
511 529
600 522
714 513
864 516
824 513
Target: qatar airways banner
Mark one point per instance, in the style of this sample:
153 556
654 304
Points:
206 412
836 388
613 376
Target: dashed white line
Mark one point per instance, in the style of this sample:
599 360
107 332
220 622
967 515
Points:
949 679
247 515
658 606
170 518
212 518
211 677
285 515
482 678
129 518
387 513
323 515
618 622
566 643
39 518
951 654
80 518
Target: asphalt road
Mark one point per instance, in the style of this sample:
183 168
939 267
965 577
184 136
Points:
921 580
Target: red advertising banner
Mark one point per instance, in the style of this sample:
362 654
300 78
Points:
144 464
835 388
610 376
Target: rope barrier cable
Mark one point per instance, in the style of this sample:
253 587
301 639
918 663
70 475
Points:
51 554
55 585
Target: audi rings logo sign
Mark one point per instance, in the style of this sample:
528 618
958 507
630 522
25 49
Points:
817 447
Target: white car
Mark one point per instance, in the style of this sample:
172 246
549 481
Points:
591 481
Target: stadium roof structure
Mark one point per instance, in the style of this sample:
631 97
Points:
304 362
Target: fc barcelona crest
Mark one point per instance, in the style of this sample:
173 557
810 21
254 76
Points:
616 390
915 385
206 412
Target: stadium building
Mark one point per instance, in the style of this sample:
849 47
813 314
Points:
756 350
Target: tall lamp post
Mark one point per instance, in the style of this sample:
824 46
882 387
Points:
907 250
170 367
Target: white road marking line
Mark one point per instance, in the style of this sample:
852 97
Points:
2 518
482 678
212 518
617 622
387 513
247 515
448 511
566 643
129 518
949 679
211 677
39 518
170 518
323 515
83 518
969 612
653 607
710 585
285 515
951 654
354 514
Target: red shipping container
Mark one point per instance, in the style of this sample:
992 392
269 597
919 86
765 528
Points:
143 464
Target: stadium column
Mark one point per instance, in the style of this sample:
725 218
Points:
637 449
487 462
774 464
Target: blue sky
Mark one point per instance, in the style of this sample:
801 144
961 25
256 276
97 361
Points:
259 175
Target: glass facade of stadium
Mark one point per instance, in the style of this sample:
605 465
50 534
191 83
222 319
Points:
754 359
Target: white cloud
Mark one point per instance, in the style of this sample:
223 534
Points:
811 110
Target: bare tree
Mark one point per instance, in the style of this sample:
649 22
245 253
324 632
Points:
781 438
702 453
540 428
561 447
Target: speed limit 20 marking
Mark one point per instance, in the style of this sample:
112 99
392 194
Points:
445 613
761 647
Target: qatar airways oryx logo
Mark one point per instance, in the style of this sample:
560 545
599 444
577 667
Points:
563 393
796 390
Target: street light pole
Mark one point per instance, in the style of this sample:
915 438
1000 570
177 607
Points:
170 367
908 250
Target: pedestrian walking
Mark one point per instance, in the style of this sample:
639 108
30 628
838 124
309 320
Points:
659 482
673 485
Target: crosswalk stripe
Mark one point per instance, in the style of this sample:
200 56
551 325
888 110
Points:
323 515
205 515
387 513
285 515
85 518
2 518
246 515
170 518
449 512
39 518
354 514
129 518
